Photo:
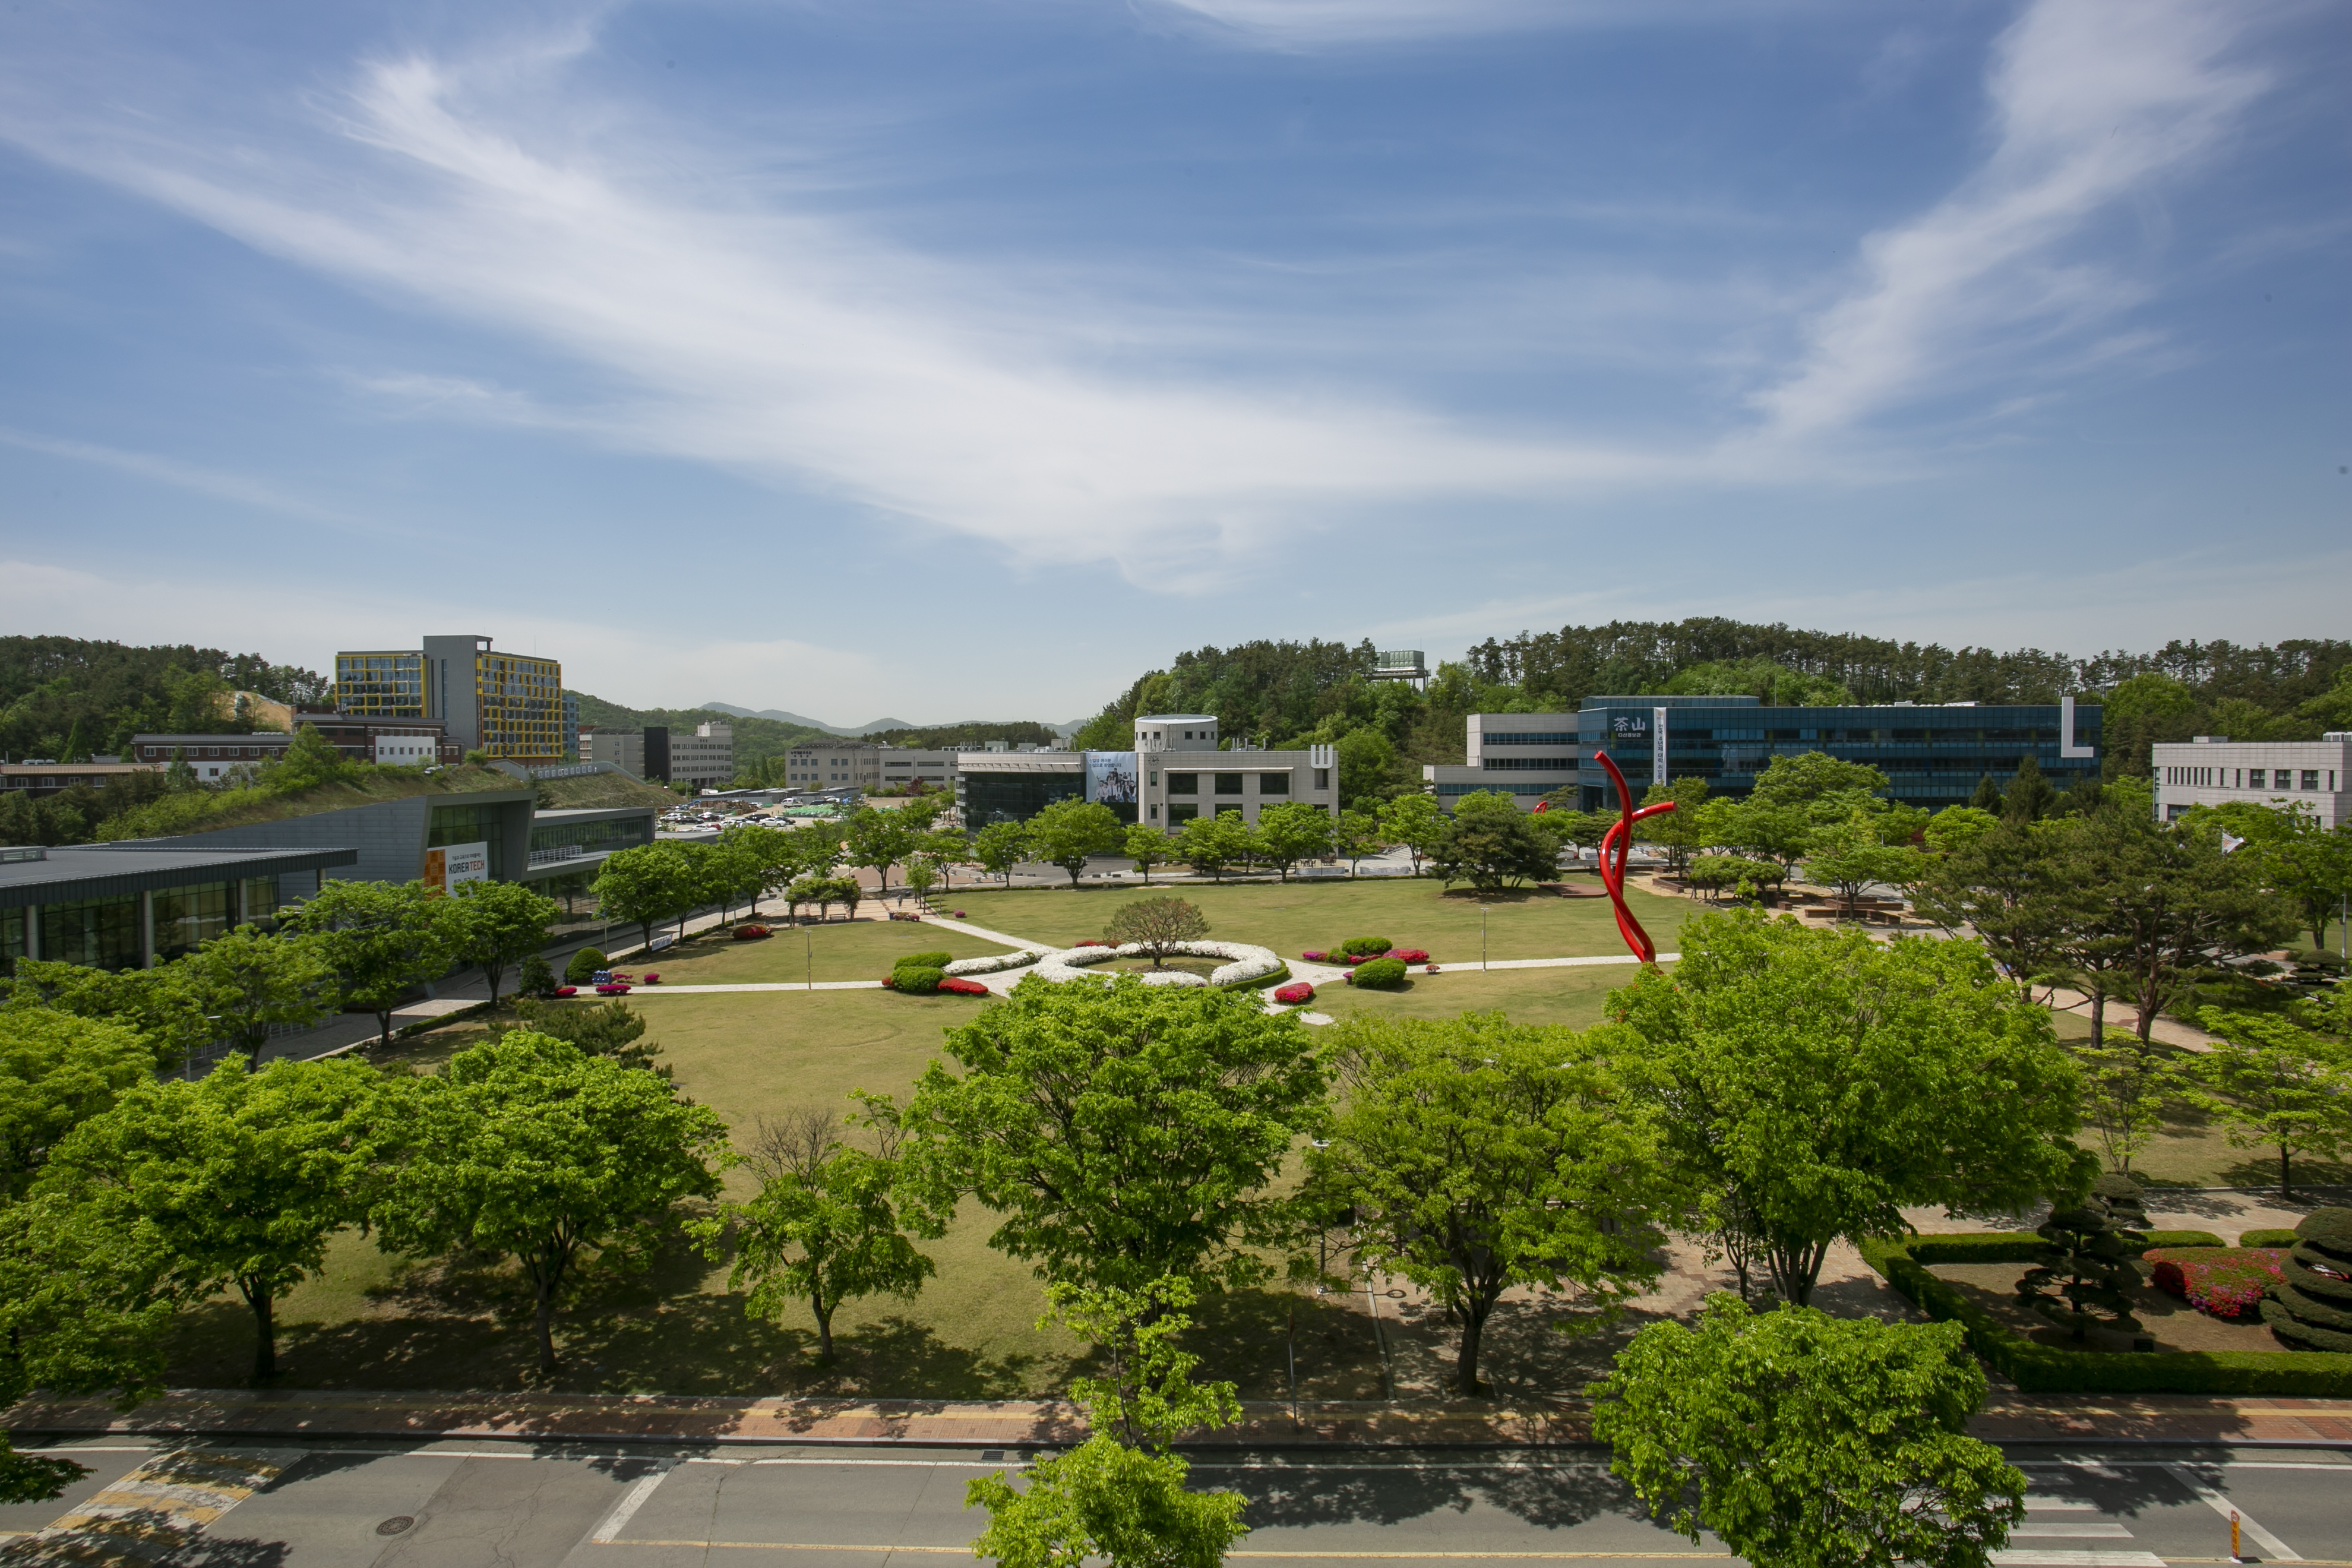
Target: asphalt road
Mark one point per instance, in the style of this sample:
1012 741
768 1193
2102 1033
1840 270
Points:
474 1504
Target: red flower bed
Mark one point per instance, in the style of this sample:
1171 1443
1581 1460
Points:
1315 957
1408 954
653 977
1295 991
1429 969
1090 944
750 933
567 991
617 988
963 987
2220 1281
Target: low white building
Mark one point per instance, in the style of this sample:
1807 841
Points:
833 765
1523 755
2213 770
905 765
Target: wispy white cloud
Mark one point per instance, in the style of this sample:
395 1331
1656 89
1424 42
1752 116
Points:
2094 102
193 476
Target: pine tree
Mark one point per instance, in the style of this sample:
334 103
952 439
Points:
1988 795
2083 1269
2030 796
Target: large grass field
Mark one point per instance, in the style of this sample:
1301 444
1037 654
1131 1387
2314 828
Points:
1296 917
843 949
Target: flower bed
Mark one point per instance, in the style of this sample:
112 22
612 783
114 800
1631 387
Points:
2221 1281
750 933
1409 954
954 986
653 977
993 963
567 991
1296 991
1244 964
614 988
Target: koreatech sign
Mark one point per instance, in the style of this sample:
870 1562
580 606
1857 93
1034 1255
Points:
1627 732
452 864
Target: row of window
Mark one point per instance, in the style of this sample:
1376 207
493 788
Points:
1527 764
2249 778
213 751
1529 739
1229 784
105 933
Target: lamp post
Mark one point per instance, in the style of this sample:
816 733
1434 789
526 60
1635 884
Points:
1482 937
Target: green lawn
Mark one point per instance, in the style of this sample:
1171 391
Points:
845 949
1571 996
1293 918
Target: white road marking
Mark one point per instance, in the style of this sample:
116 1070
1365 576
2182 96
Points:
2273 1547
2083 1531
625 1510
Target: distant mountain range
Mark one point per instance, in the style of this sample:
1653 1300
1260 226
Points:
877 727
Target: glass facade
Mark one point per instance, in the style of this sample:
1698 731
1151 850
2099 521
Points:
381 685
260 907
1016 797
611 833
520 712
12 938
97 933
470 825
1932 756
187 917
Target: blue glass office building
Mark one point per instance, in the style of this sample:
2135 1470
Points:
1932 756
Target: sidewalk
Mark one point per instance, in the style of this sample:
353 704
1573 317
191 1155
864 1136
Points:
2176 1420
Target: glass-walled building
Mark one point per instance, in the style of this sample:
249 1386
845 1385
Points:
510 706
1932 756
108 906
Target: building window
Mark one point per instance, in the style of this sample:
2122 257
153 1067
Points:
2311 779
1273 784
2253 778
1181 814
1322 778
1183 784
1229 784
1155 812
97 933
186 917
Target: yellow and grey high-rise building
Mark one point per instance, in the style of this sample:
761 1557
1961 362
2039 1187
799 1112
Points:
507 705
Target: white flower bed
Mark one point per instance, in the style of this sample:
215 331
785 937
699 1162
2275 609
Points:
1244 962
994 964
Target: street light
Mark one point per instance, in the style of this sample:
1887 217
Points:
1482 936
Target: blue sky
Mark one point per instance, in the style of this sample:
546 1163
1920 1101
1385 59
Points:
965 358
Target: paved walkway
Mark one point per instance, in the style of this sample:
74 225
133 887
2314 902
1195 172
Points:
2172 1420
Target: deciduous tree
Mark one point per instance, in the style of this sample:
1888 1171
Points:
651 884
251 981
1293 832
1158 926
1070 833
497 924
383 939
1415 822
2271 1082
1147 847
1000 847
160 1004
1493 849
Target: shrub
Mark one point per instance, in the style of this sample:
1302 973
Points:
1380 974
653 977
1298 991
1313 956
2311 1307
584 965
1409 955
917 979
1366 946
567 991
750 933
536 978
2046 1368
956 985
2081 1276
924 961
2267 1238
2221 1281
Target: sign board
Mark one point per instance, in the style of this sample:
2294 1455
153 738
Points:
453 864
1657 745
1110 777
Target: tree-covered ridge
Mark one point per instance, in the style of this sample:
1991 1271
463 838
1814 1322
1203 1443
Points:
67 698
757 740
970 735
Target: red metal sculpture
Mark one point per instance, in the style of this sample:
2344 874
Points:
1620 838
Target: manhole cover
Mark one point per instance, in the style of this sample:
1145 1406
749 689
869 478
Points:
399 1523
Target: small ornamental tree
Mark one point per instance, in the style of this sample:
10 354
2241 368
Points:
1806 1441
498 925
2270 1082
1119 1497
1000 847
530 1148
237 1179
1070 833
1492 849
824 1229
2311 1309
2083 1274
1147 847
383 939
1293 832
1158 926
1211 844
584 966
1416 822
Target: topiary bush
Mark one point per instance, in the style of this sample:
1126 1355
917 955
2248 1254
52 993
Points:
917 979
2310 1308
2080 1277
2267 1238
536 978
1366 946
584 965
924 961
1380 974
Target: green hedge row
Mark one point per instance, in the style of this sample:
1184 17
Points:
2044 1369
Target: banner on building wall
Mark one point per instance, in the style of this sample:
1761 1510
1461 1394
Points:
1658 745
454 864
1110 777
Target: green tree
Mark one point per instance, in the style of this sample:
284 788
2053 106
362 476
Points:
497 925
1955 827
2271 1082
824 1228
613 1030
880 840
1494 849
530 1148
1808 1441
1987 798
2127 1087
1416 822
1121 1132
1119 1497
1781 834
2306 862
1832 1082
1356 834
1000 847
1293 832
1213 843
307 763
57 1071
2082 1273
1680 831
1850 856
1068 832
1809 779
1479 1155
1147 847
383 940
251 981
651 884
239 1178
2006 887
2030 796
1367 766
160 1004
1158 926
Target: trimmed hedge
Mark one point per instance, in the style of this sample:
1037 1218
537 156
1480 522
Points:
1366 946
2044 1369
2020 1245
917 979
584 965
925 960
2267 1238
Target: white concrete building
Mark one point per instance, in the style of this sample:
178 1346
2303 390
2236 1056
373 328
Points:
1524 755
1178 771
833 765
704 760
905 765
2213 770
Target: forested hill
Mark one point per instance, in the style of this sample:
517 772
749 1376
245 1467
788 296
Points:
1289 693
67 698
